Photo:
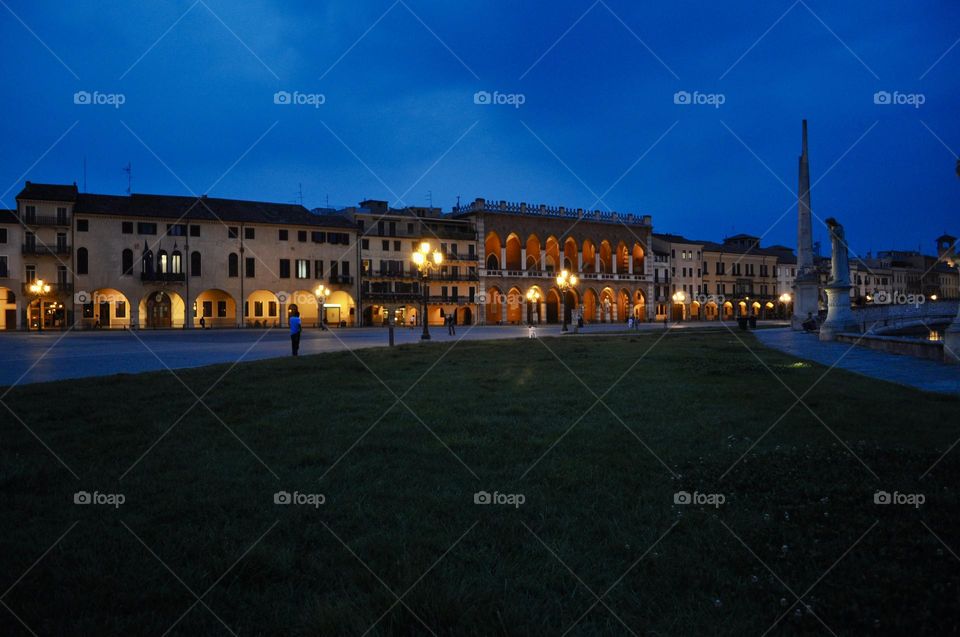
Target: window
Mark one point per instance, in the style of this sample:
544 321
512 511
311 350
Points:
249 233
221 309
146 228
233 232
233 265
126 227
31 273
272 308
194 231
121 309
301 236
409 228
470 249
318 237
284 268
88 310
61 216
3 235
380 228
303 269
81 261
318 269
163 261
176 262
385 245
195 264
207 308
176 229
4 273
345 268
283 234
250 267
396 246
83 225
364 243
258 308
126 261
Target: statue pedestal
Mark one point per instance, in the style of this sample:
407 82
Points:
806 302
951 341
839 315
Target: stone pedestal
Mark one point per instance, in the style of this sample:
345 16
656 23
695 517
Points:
951 341
806 302
839 315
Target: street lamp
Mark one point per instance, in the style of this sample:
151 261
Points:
322 292
426 262
38 288
679 297
785 299
565 281
533 295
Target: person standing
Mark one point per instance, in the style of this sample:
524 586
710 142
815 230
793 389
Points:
451 325
295 330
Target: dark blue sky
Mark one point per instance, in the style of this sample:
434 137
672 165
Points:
399 99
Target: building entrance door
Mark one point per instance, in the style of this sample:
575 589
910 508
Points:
158 310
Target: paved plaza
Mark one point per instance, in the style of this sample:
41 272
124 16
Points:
905 370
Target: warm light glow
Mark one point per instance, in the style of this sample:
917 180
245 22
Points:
933 297
437 257
322 291
425 247
679 296
39 287
565 279
784 298
418 258
533 295
573 280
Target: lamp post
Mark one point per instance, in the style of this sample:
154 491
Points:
678 298
321 292
38 288
785 299
534 297
426 262
565 281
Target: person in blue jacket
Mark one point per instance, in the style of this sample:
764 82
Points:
295 329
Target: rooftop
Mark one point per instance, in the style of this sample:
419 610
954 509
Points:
542 210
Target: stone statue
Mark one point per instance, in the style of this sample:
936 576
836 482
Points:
840 261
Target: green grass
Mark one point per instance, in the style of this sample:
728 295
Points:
599 499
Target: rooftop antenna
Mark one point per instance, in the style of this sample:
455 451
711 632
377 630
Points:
129 170
458 202
430 197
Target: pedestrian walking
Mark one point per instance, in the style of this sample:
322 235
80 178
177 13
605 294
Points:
203 323
295 330
451 325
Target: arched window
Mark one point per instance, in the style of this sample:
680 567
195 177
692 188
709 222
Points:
233 265
162 261
127 261
195 264
81 261
492 262
176 262
146 263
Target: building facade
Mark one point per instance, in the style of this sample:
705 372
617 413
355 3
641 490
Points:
159 261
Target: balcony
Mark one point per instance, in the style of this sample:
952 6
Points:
343 279
46 220
163 277
39 250
549 274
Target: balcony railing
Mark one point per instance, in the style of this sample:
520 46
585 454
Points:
415 275
37 249
164 277
343 279
46 220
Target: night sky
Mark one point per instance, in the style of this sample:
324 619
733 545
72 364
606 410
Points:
598 126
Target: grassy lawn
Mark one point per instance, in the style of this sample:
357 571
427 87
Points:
399 518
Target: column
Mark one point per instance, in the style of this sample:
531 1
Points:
19 320
579 261
596 262
503 312
503 258
613 263
614 309
188 302
542 316
597 313
240 313
282 312
523 259
630 264
134 315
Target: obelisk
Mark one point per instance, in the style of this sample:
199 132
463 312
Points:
806 285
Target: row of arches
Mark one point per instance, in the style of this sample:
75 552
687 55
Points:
589 257
110 308
608 305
